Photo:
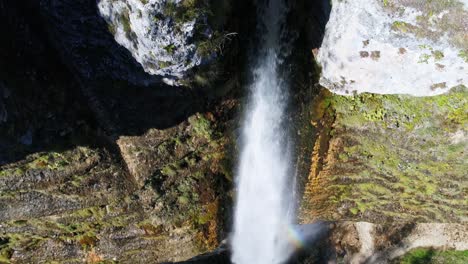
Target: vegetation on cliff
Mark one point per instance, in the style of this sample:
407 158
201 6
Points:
389 158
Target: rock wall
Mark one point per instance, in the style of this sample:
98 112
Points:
83 205
386 158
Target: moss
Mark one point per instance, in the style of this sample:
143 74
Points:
164 64
393 156
186 11
168 170
170 9
438 55
54 161
111 29
126 24
401 26
183 200
424 58
11 241
432 256
170 48
211 46
464 55
201 126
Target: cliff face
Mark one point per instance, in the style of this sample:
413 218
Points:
390 158
83 204
101 161
390 172
82 39
387 167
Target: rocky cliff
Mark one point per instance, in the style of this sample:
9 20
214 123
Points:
118 123
100 161
389 164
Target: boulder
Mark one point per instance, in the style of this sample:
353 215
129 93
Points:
395 47
167 37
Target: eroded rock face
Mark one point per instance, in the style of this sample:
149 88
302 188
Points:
81 204
164 36
395 46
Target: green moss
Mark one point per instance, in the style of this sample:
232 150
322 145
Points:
44 160
211 46
170 48
429 25
184 200
111 29
168 171
170 9
164 64
464 55
424 58
11 241
401 26
438 55
125 21
396 157
201 126
187 11
431 256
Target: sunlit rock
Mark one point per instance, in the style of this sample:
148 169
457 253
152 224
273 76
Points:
165 36
395 46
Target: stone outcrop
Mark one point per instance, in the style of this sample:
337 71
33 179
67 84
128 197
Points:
167 37
395 46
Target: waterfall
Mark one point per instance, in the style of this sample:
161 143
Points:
263 211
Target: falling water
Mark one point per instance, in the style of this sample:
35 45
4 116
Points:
263 208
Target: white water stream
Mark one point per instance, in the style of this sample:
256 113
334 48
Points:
263 212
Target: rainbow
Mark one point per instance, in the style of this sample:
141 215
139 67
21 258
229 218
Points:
295 237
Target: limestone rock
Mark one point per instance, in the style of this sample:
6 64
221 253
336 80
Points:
164 36
395 46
